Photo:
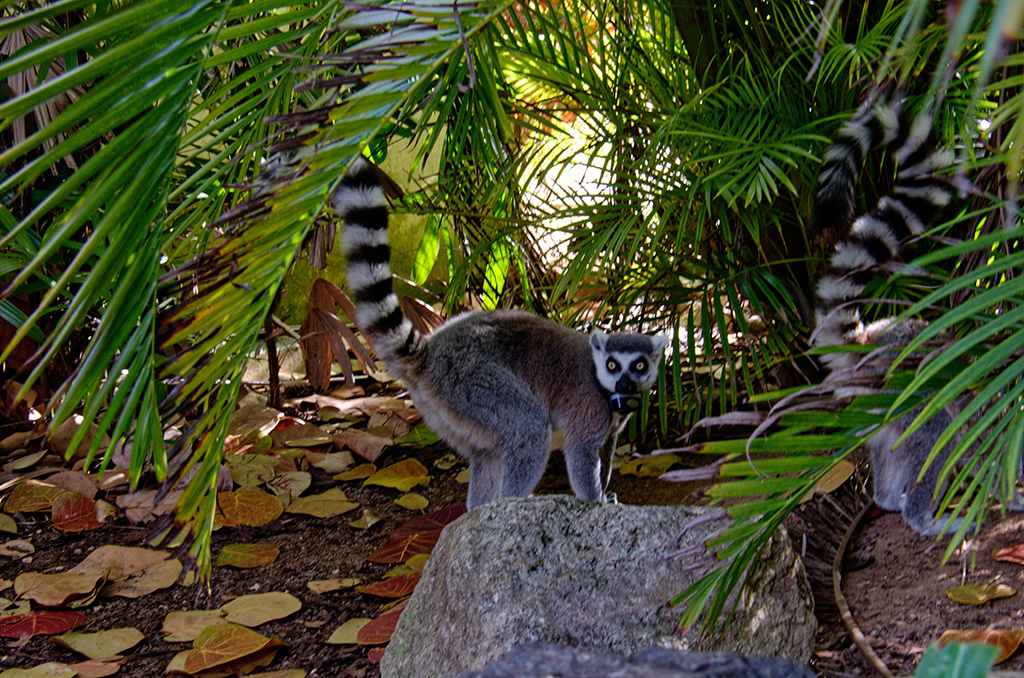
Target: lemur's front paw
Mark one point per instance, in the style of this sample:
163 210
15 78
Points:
611 498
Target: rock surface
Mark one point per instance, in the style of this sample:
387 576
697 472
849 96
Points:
592 576
542 660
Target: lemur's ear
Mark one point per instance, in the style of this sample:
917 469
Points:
598 339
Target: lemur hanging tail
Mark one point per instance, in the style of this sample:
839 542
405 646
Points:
360 201
875 237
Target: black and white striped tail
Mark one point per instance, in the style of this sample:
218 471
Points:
360 201
874 238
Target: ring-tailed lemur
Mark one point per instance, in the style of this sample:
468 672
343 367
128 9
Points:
494 385
874 241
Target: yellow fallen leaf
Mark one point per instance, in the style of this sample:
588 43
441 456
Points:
979 594
346 633
402 476
412 501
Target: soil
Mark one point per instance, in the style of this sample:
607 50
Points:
896 589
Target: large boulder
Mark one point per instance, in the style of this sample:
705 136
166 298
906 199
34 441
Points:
556 569
543 660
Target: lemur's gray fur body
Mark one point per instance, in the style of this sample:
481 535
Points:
874 241
494 385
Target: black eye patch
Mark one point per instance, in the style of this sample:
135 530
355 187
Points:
640 366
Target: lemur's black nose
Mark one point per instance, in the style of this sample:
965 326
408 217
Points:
625 385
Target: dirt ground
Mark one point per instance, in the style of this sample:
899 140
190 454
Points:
896 591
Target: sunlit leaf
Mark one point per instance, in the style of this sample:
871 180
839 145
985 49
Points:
330 503
979 594
402 476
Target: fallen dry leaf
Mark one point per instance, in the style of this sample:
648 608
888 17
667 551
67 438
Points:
413 501
366 445
380 629
435 520
403 475
648 467
1011 554
327 585
96 668
259 608
248 507
74 481
394 587
292 483
131 572
73 512
368 519
358 473
183 626
247 556
979 594
47 670
41 622
332 462
225 644
347 632
7 524
333 502
102 644
1006 641
400 549
56 589
31 495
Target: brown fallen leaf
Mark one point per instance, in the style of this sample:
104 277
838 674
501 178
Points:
29 496
101 644
57 589
183 626
47 670
1005 640
96 668
247 556
249 507
227 645
358 473
366 445
7 524
131 572
331 462
1011 554
979 594
327 585
75 481
435 520
375 654
259 608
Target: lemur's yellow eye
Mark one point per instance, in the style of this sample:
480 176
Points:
640 366
612 365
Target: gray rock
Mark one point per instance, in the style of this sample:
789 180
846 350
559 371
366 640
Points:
543 660
592 576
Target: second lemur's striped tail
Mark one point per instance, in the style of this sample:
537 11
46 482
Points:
875 237
359 200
